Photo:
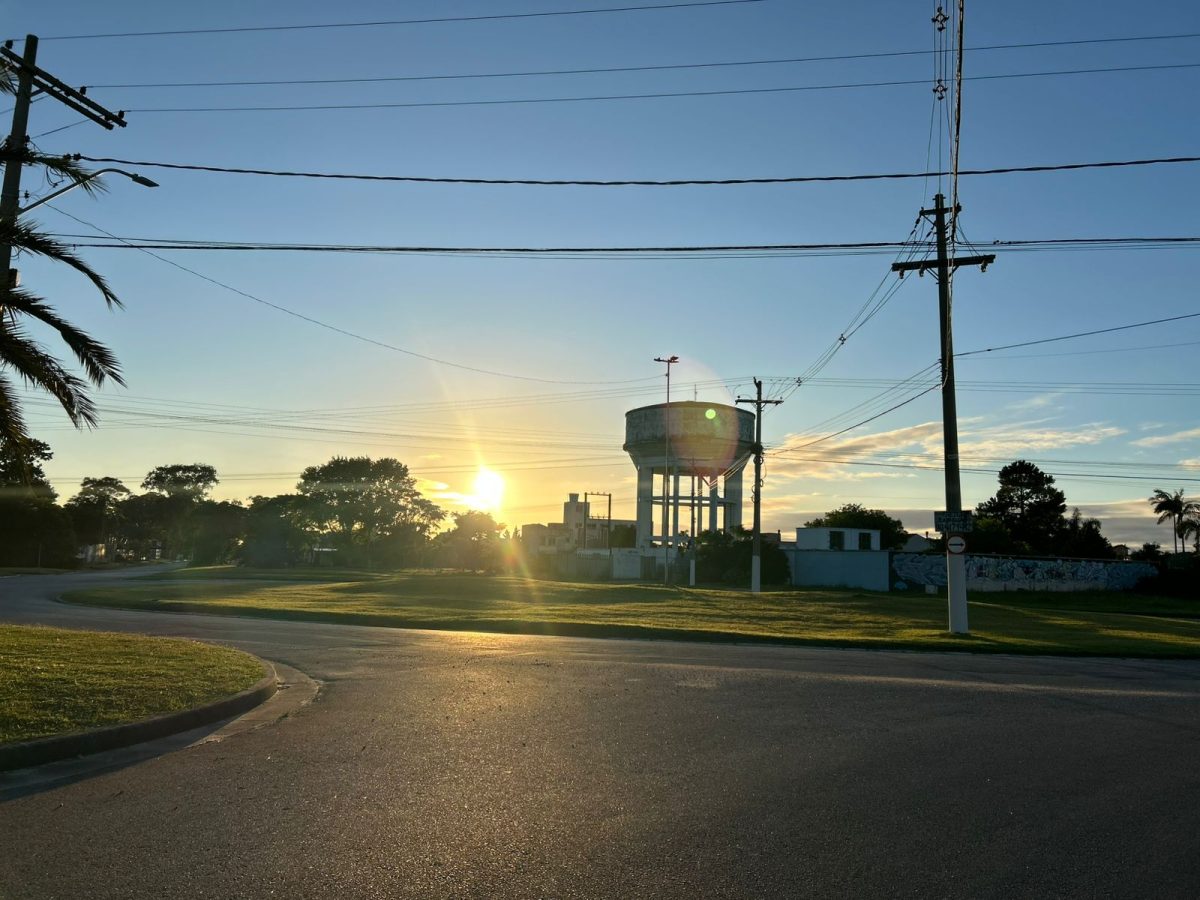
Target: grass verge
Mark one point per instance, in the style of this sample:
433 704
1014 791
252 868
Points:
55 681
1003 623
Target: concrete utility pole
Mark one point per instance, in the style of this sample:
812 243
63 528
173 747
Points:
668 542
756 559
956 576
29 79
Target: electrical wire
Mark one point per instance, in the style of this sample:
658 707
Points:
532 73
345 332
244 29
659 95
1068 337
724 251
675 182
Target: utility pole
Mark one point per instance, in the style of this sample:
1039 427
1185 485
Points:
10 199
30 79
668 542
756 559
955 522
608 521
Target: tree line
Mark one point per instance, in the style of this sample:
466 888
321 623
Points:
350 512
1027 516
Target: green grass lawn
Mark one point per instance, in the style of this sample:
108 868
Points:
1091 624
55 681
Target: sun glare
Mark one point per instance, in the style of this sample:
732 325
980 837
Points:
487 490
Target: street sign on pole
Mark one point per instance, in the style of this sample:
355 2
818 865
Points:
952 522
956 544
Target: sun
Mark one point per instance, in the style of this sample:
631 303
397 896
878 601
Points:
487 491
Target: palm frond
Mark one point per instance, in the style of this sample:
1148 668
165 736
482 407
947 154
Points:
12 423
66 167
35 366
97 360
24 237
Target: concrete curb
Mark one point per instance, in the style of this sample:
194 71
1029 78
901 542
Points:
64 746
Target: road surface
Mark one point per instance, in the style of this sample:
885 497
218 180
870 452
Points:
445 765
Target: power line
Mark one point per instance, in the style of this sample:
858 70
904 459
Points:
1067 337
875 302
394 22
659 95
675 182
358 337
617 69
1107 350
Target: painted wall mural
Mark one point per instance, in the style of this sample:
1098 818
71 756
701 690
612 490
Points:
1001 573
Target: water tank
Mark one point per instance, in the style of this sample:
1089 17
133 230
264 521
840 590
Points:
705 438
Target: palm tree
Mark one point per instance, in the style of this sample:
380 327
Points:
1173 507
20 353
1189 524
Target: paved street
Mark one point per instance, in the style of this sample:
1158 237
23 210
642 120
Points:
467 765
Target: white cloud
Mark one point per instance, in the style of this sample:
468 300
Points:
1161 439
834 459
1018 438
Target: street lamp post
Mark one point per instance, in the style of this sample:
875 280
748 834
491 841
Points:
132 176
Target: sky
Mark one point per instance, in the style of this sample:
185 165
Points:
568 344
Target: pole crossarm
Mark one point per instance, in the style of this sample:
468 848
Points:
923 265
46 83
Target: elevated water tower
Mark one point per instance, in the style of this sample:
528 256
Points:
695 453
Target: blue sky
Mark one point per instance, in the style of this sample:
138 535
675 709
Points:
191 349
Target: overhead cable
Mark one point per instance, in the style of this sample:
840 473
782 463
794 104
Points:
658 95
1068 337
358 337
874 302
243 29
533 73
673 182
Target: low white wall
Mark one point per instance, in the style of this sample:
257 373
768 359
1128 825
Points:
626 564
866 569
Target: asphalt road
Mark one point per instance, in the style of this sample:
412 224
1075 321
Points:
466 765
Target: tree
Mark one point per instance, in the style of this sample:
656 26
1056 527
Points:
473 543
144 525
724 556
21 470
276 531
1151 552
1081 537
1174 507
95 509
1029 505
991 536
854 515
192 481
34 531
183 487
215 532
1190 526
361 501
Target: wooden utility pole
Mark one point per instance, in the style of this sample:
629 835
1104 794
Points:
15 153
756 558
956 522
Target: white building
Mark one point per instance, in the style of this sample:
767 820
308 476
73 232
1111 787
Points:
837 539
